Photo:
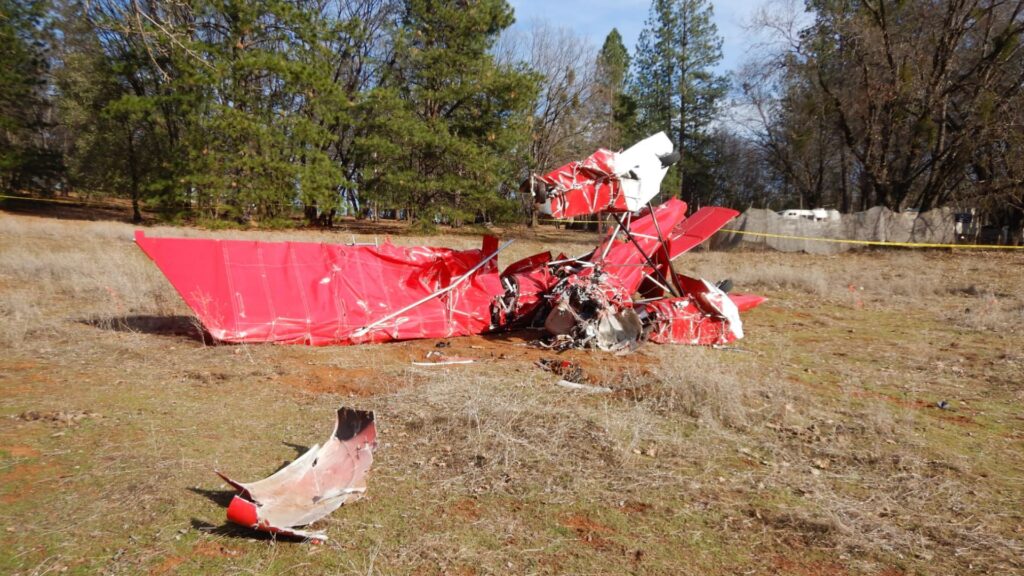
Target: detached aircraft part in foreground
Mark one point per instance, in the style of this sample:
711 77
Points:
314 485
621 294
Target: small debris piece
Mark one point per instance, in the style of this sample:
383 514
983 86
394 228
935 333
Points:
314 485
567 369
435 358
942 404
584 387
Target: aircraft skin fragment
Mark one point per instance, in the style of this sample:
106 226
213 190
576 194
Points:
315 484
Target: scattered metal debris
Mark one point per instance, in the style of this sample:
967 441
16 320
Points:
314 485
567 369
621 294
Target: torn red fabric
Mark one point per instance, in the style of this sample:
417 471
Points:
624 260
608 181
704 315
585 187
310 293
526 282
681 321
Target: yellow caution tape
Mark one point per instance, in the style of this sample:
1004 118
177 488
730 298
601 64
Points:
730 231
569 221
832 240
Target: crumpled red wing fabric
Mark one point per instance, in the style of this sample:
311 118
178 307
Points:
623 260
586 187
311 293
681 235
692 319
680 321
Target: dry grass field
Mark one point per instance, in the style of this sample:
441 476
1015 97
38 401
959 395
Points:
815 446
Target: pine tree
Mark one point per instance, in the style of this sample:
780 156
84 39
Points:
449 121
615 116
676 89
25 40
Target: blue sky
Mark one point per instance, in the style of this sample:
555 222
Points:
594 19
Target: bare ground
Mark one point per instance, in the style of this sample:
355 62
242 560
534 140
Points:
816 446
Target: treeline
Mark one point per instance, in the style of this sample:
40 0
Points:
899 104
436 110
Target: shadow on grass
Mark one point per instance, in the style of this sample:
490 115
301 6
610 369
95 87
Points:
67 209
230 530
218 497
299 448
178 326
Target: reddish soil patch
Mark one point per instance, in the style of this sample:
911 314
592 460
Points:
18 366
214 550
917 404
346 382
20 451
168 566
21 482
516 349
590 532
467 509
20 378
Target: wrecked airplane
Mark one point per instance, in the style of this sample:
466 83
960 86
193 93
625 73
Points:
623 293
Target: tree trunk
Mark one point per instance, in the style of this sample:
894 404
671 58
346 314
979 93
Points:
133 171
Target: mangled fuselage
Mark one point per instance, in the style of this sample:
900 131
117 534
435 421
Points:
621 294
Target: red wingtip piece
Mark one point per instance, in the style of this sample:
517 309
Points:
243 512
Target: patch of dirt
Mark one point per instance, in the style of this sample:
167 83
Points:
168 566
21 378
354 382
20 451
23 481
394 359
467 509
941 413
590 532
214 550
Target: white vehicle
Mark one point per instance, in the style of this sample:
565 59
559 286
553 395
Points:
817 214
